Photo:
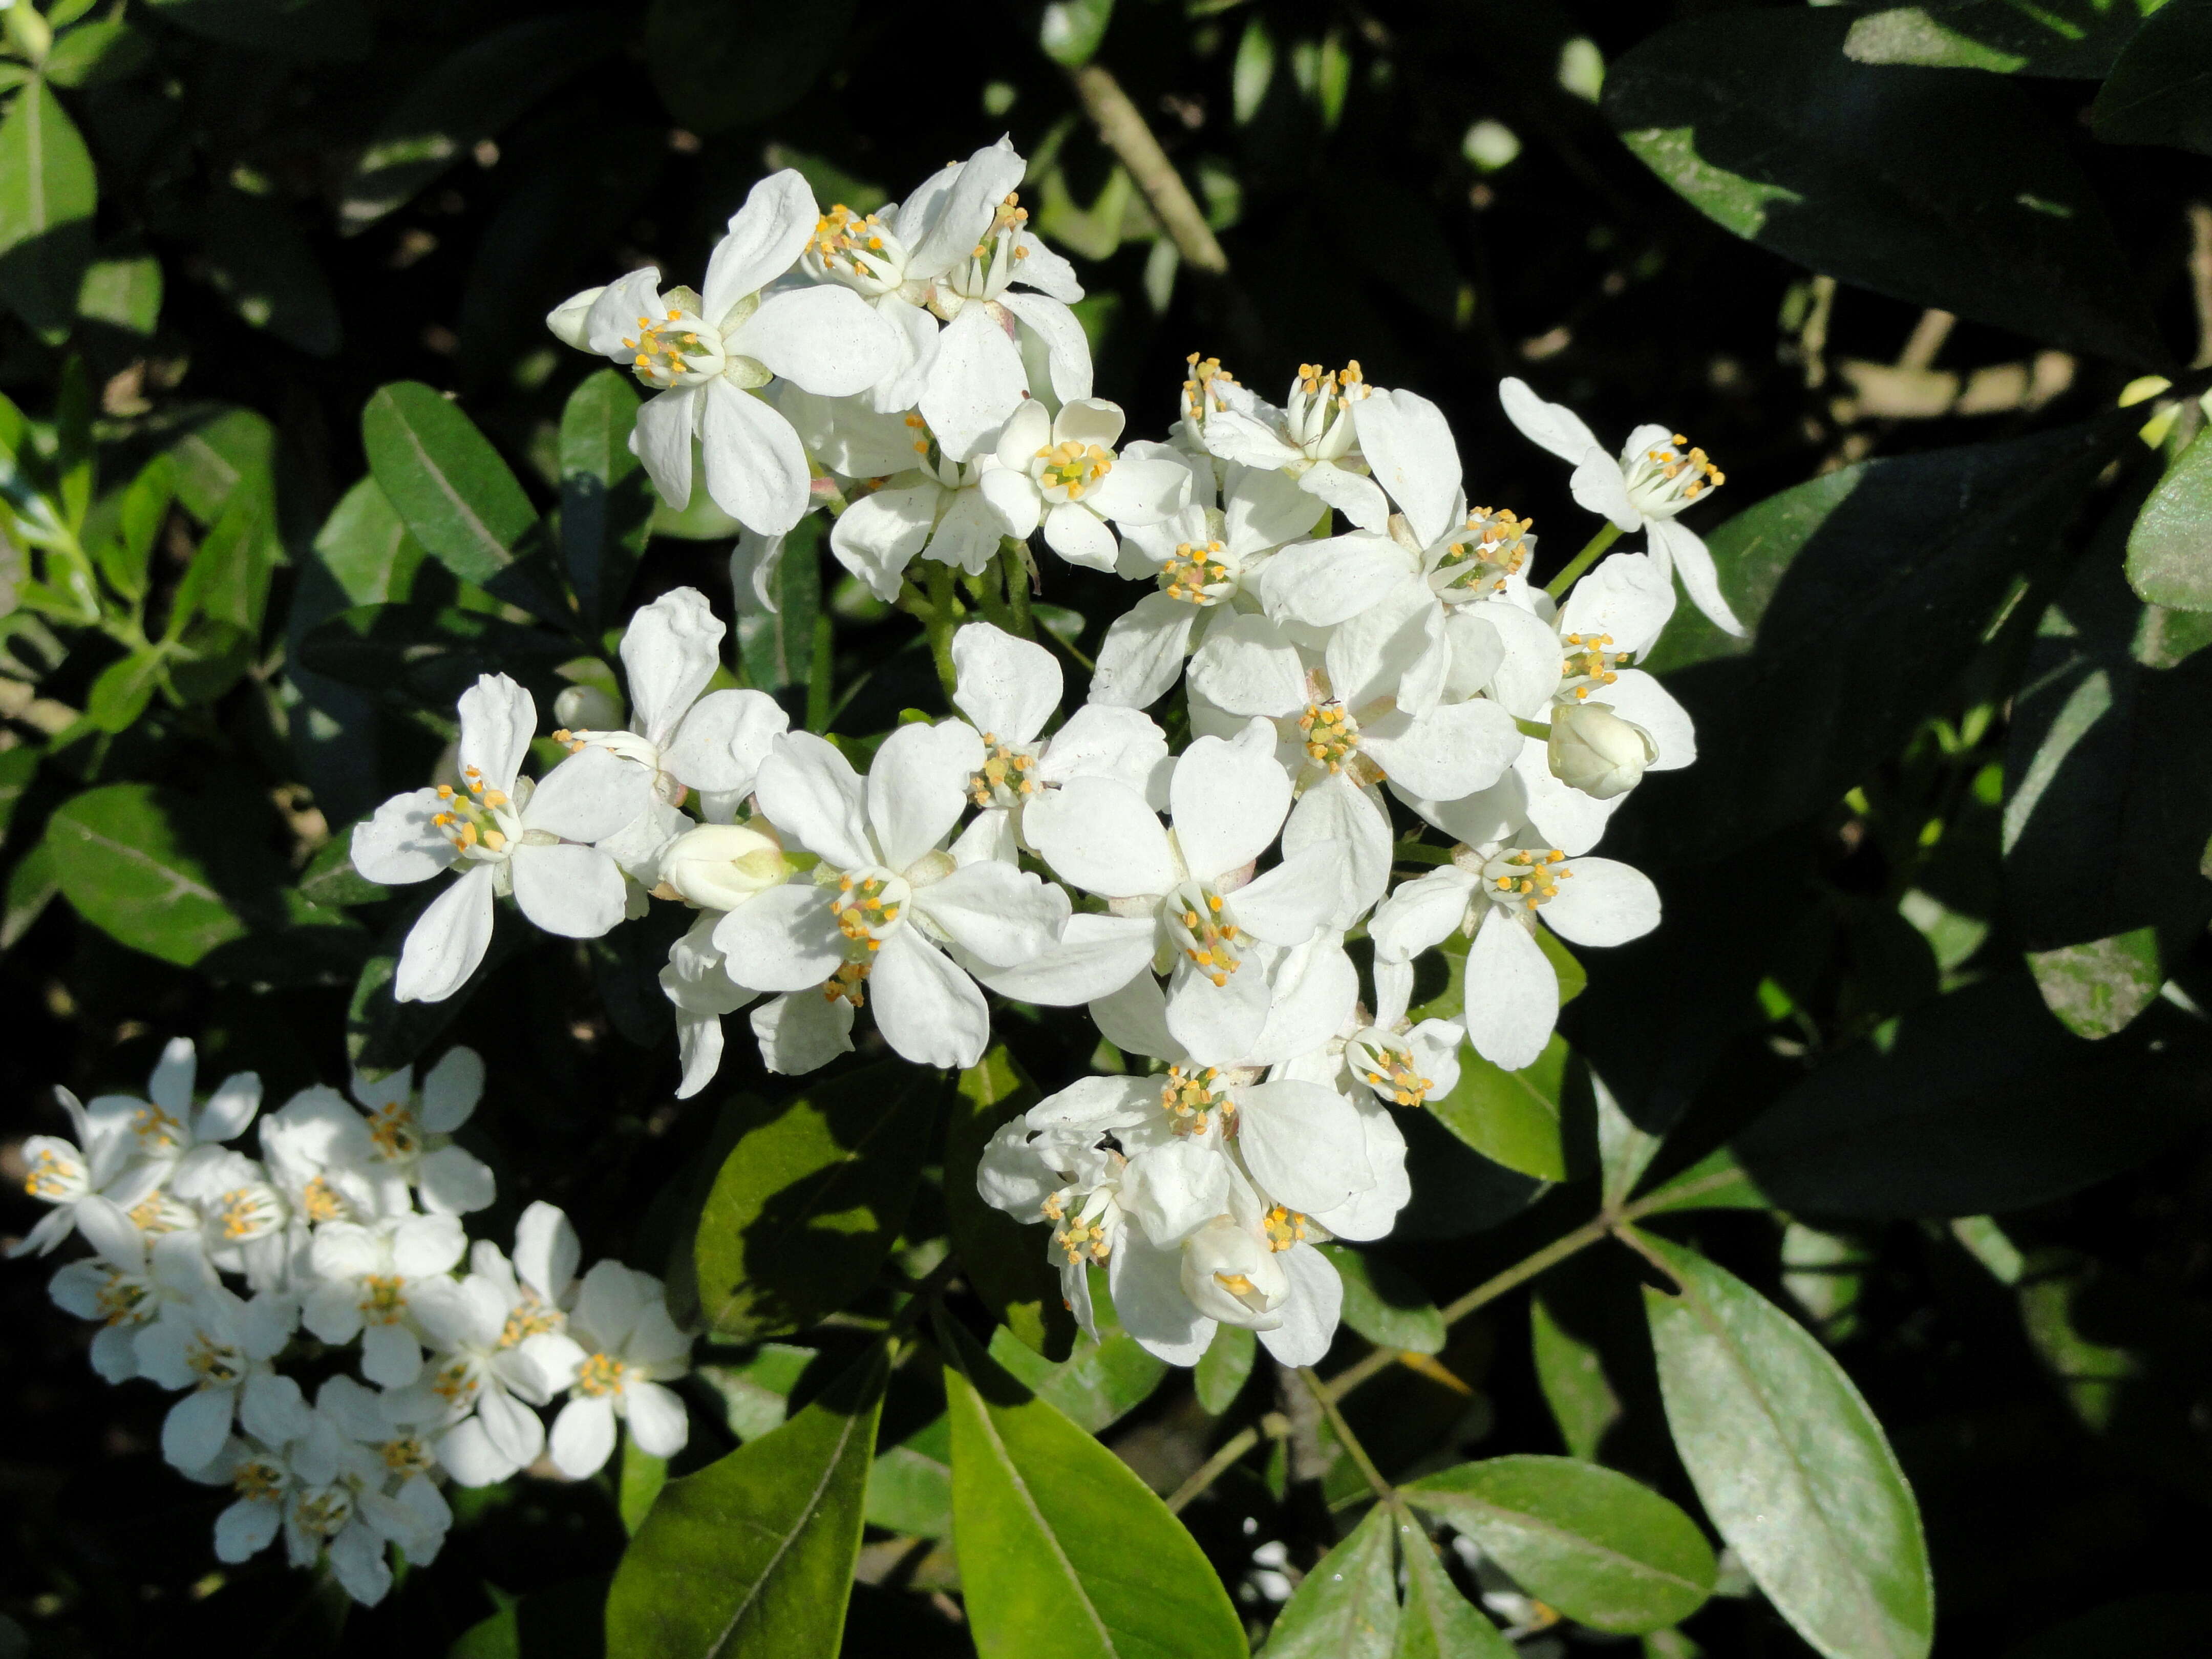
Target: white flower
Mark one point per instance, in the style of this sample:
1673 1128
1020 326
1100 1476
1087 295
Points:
323 1164
1655 478
1064 1177
370 1280
410 1133
357 1487
220 1347
953 251
506 836
1228 800
1061 469
1594 750
941 510
127 1283
886 898
1495 896
631 1348
706 353
104 1162
697 984
1252 1266
242 1219
1401 1063
1311 439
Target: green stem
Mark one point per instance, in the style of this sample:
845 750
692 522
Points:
1558 586
1013 560
938 622
1532 729
1325 1397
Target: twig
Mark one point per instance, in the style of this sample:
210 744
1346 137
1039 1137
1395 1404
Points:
2200 279
1124 132
1926 340
1326 1397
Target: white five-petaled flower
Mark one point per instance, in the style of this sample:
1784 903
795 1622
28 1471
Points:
1655 477
506 835
1495 895
706 353
932 506
220 1347
1312 438
127 1282
887 899
631 1349
1061 470
365 1485
410 1134
369 1281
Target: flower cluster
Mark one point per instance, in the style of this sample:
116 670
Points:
340 1249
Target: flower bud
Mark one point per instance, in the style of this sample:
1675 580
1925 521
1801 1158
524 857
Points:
721 866
1594 750
1233 1277
587 708
568 320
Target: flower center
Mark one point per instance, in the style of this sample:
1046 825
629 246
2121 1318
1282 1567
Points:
456 1383
1203 932
1284 1228
677 349
991 266
1198 575
1079 1241
393 1129
121 1298
856 250
257 1480
1004 780
1389 1069
55 1177
1588 665
846 984
158 1212
868 906
1662 482
529 1317
479 820
156 1130
1319 418
1191 1097
1065 470
1475 564
1331 735
217 1364
319 1200
406 1457
324 1513
602 1374
1201 395
1525 878
383 1298
248 1212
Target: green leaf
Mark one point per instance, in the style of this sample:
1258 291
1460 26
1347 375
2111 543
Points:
47 195
561 1621
94 54
999 1255
1511 1117
1867 589
1714 1181
1098 1384
753 1555
31 886
1573 1379
724 63
450 488
467 98
18 766
119 696
1347 1606
1062 1549
131 859
1604 1549
230 450
255 255
414 655
809 1199
1981 1102
1224 1368
1384 1305
1436 1621
140 515
124 293
382 1034
2156 92
606 500
2170 549
1761 123
778 645
2078 39
910 1486
1790 1465
331 880
367 547
1070 30
643 1476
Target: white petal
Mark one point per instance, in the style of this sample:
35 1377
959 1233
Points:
1628 597
1394 648
611 324
1303 1143
787 939
670 651
1374 1212
1556 426
1359 498
451 1089
1264 509
1248 666
1228 800
1528 674
1079 536
1694 562
927 1009
1026 431
1407 442
584 1436
943 220
756 467
1336 810
1008 687
1218 1024
1100 834
802 1032
245 1528
1563 815
1309 1315
1067 348
662 439
1597 486
400 844
1175 1189
810 792
1300 894
724 739
546 1250
974 381
468 1454
967 536
827 340
193 1432
1095 958
1325 582
1142 655
1236 436
589 796
657 1419
1092 1105
1134 1020
1001 915
1315 989
498 719
455 1181
1148 1298
764 239
447 941
1452 751
1102 741
1512 994
1043 269
1016 506
1603 902
574 891
1422 912
1641 700
390 1356
1140 490
918 788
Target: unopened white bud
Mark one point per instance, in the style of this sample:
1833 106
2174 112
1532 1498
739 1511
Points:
720 865
1594 750
1233 1277
587 708
568 320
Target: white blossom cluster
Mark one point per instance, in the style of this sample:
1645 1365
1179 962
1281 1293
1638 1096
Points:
341 1248
1344 626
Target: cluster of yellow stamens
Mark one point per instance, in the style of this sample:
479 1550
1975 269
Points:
120 1298
601 1374
1589 664
841 234
467 818
1407 1087
1004 768
860 909
406 1456
1531 876
530 1317
1676 473
1081 1240
52 1176
383 1298
1209 941
567 739
1196 575
156 1130
846 984
247 1212
658 349
215 1365
158 1212
456 1383
917 426
1200 399
1330 735
393 1129
1011 217
1317 382
256 1481
1191 1099
1495 546
1074 467
319 1200
1284 1228
326 1513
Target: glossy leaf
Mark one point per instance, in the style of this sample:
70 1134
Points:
778 645
1790 1465
413 655
331 880
1512 1118
1981 1102
122 293
1062 1549
809 1199
94 54
232 450
2170 549
2155 93
1347 1607
119 696
1098 1384
1004 1261
130 860
2066 38
1572 1378
1763 123
1604 1549
723 63
1438 1622
1715 1181
367 547
382 1034
753 1555
606 500
1384 1305
47 195
1224 1368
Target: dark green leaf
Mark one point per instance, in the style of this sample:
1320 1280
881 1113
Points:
561 1621
2170 549
228 581
1714 1182
415 656
1790 1465
2066 39
1347 1606
232 448
1868 588
1384 1305
1096 1385
606 500
809 1199
119 696
382 1034
139 517
1981 1102
368 548
124 293
1602 1549
1761 122
722 63
255 255
643 1475
1511 1117
18 766
32 885
306 31
465 100
331 880
47 194
1224 1368
131 859
1000 1257
1572 1378
92 54
778 645
1436 1621
2156 94
753 1555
